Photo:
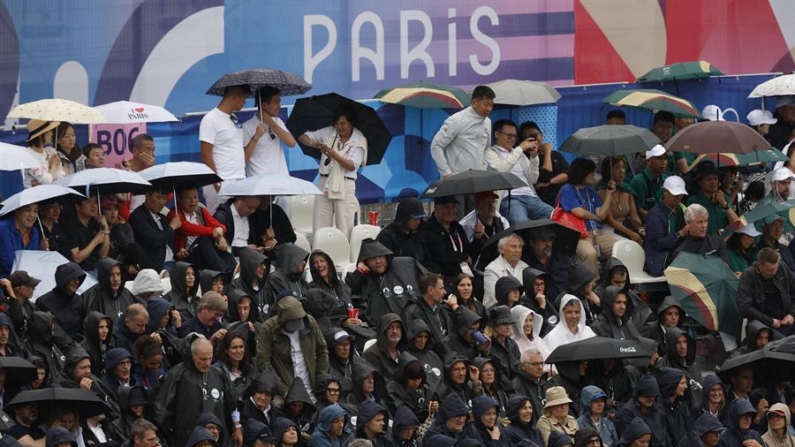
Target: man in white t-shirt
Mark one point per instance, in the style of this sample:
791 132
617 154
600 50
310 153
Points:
267 156
221 137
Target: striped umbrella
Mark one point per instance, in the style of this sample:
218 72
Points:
653 100
424 95
727 160
765 213
681 71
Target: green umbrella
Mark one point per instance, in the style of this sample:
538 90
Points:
653 100
765 212
681 71
707 290
610 140
424 95
728 159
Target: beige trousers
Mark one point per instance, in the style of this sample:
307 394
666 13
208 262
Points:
336 213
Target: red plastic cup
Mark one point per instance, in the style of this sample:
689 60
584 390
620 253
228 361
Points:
353 314
374 217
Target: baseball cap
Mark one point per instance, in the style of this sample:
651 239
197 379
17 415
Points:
782 174
749 230
107 201
656 151
341 336
712 113
445 200
21 278
675 185
758 117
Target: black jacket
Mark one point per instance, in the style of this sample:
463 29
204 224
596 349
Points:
653 417
223 214
184 299
432 363
289 257
655 331
687 364
101 298
377 355
642 314
518 431
455 342
260 221
733 436
447 387
67 308
249 261
446 250
439 321
524 385
678 419
400 243
92 344
478 431
608 325
751 299
400 396
152 238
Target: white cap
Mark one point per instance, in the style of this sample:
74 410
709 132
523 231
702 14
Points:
656 151
758 117
712 113
675 185
749 230
782 174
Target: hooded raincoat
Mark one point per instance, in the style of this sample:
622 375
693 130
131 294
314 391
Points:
561 334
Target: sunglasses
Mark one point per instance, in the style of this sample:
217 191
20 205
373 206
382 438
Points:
234 119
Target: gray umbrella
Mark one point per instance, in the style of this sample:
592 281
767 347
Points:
610 141
256 78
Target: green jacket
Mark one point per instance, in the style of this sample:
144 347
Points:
648 192
717 215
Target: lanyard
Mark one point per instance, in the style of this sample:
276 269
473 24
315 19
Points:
460 246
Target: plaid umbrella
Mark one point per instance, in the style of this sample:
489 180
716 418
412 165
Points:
653 100
717 136
424 95
706 289
612 141
681 71
256 78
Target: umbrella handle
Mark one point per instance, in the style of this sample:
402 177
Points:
41 227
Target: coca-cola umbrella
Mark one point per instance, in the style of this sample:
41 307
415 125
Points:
596 348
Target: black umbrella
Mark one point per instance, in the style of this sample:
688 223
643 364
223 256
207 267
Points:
768 365
5 421
317 112
256 78
18 370
566 239
471 182
85 402
596 348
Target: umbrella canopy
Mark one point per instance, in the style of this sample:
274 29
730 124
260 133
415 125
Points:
35 194
104 181
14 158
653 100
170 175
681 71
256 78
514 92
424 95
128 112
768 364
566 239
87 403
317 112
780 86
610 140
18 371
268 185
763 213
706 289
58 110
41 265
471 182
596 348
717 136
726 160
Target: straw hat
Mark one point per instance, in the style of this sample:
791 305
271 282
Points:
36 128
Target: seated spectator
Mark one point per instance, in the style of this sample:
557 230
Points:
368 386
143 156
648 185
571 326
754 192
738 429
486 427
742 383
536 284
234 216
556 416
486 214
731 184
108 296
553 168
717 203
49 217
713 401
766 293
622 215
464 292
133 405
384 282
540 256
450 420
184 285
402 236
527 330
617 274
289 273
772 231
94 156
579 198
19 232
676 411
153 232
269 226
41 339
680 353
509 263
741 250
64 302
669 314
778 423
637 434
642 411
257 401
209 310
123 246
457 378
89 240
572 376
587 437
522 429
76 374
504 351
430 308
26 428
582 282
391 341
342 358
234 359
409 388
405 428
118 368
665 226
491 382
254 267
148 369
146 285
292 330
697 240
98 330
530 381
330 430
418 335
448 251
200 238
780 180
133 325
592 408
18 290
298 408
164 318
467 339
615 319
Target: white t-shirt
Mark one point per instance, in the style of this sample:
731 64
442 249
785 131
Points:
218 129
268 156
240 239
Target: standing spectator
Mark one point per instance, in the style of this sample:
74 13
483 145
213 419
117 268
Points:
766 293
64 302
90 235
509 263
72 158
344 150
402 236
153 232
460 144
39 140
522 203
448 251
665 226
648 183
19 232
221 137
266 156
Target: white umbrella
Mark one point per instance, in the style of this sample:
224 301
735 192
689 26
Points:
104 180
41 265
268 185
780 86
514 92
128 112
35 194
13 158
58 110
175 172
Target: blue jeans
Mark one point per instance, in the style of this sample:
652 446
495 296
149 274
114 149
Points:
524 208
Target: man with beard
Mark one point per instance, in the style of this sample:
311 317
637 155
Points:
108 296
539 255
330 429
391 341
64 302
26 430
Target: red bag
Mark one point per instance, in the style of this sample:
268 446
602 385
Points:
569 220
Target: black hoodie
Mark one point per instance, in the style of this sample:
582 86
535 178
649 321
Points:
66 308
400 396
92 344
339 369
463 318
40 342
367 411
655 331
478 431
608 325
438 319
451 406
733 436
249 261
337 295
688 364
498 393
404 417
446 250
549 313
66 380
377 354
518 431
183 299
678 419
289 257
101 298
579 277
393 237
642 314
447 387
430 360
260 221
297 393
13 347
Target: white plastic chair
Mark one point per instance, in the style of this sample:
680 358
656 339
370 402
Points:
631 254
335 244
166 283
303 242
347 268
359 233
369 343
302 212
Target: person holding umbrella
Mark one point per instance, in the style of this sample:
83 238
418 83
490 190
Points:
19 233
266 155
344 149
39 138
711 197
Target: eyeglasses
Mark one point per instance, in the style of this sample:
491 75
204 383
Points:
511 136
534 364
234 119
333 390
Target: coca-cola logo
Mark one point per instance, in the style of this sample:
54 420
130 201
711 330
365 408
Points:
627 349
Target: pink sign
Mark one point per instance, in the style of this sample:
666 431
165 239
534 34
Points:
116 141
